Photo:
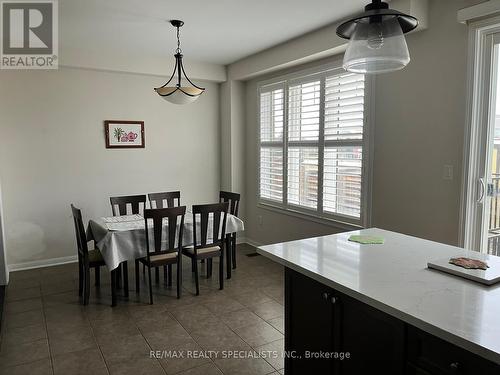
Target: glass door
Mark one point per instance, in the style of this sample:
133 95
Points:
490 186
482 218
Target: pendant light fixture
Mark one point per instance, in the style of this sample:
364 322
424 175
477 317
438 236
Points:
179 94
377 43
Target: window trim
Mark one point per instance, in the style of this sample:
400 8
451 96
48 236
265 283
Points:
318 215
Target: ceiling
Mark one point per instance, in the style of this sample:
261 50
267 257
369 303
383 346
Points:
216 31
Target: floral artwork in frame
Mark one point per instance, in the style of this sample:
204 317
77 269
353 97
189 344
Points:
124 134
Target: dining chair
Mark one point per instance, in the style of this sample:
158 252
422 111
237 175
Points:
135 202
172 254
122 202
170 197
204 247
158 200
87 259
234 204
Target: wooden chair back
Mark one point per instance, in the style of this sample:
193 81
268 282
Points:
203 211
233 199
122 202
169 196
81 237
175 231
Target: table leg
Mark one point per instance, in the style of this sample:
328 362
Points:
209 267
233 254
169 275
125 278
119 277
228 255
113 286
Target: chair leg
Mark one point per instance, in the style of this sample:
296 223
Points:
169 275
197 282
179 279
228 254
144 269
125 278
97 271
234 250
80 277
150 287
87 286
221 270
192 265
165 275
137 286
209 268
113 286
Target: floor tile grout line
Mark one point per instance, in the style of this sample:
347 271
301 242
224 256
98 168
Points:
147 343
197 343
47 333
97 344
250 346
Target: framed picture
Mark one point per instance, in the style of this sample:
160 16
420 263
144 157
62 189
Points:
124 134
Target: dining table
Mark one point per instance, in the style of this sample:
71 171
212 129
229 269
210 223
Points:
123 238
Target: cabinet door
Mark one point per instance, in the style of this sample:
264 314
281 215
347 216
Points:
437 356
375 341
308 324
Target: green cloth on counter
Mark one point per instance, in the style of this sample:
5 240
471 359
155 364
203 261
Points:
367 240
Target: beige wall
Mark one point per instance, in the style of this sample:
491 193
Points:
52 151
419 125
420 128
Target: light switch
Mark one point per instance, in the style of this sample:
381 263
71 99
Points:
448 172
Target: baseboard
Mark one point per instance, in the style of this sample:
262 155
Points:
252 242
42 263
74 258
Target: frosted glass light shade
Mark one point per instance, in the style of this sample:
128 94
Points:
179 95
377 47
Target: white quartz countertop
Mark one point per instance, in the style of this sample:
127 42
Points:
394 278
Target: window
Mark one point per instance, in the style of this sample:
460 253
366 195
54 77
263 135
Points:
313 145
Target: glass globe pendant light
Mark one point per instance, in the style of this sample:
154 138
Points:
377 43
179 94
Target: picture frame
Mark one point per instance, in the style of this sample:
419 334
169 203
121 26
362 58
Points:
124 134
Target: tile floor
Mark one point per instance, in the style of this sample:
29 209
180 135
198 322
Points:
46 331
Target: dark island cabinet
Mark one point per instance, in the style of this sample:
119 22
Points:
328 332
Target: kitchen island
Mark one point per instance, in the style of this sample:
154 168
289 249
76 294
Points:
363 309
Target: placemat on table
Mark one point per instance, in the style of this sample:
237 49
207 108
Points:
367 240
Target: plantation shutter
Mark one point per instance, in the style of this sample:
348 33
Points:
343 153
272 106
312 145
304 118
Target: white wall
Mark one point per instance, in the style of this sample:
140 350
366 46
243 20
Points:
419 127
52 151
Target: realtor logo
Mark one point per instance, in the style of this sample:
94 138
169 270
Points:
29 34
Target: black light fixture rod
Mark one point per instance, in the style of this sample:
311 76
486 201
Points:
178 57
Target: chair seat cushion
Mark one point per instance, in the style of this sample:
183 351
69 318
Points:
161 257
204 251
95 256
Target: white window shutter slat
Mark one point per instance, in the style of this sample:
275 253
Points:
271 134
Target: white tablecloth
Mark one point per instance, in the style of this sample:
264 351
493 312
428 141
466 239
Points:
126 240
